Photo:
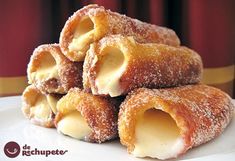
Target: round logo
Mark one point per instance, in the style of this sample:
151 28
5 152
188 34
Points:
12 149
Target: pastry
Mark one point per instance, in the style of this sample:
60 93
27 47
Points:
164 123
38 107
52 72
86 117
93 22
117 64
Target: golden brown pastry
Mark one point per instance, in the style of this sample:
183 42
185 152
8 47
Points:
117 64
165 123
87 117
93 22
39 108
52 72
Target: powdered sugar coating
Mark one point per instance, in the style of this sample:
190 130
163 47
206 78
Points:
200 111
99 112
29 98
142 32
70 73
108 23
148 65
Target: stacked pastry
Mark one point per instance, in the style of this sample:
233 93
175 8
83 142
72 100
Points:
78 85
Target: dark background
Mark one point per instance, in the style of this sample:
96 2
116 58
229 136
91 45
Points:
207 26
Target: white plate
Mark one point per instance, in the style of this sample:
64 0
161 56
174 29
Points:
14 127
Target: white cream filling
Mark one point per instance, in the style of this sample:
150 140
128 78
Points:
52 101
41 110
83 35
111 69
157 136
74 125
47 68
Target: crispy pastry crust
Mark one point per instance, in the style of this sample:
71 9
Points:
201 112
106 23
148 65
70 73
29 98
99 112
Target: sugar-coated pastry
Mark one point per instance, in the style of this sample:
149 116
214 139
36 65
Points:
93 22
117 64
164 123
52 72
87 117
38 107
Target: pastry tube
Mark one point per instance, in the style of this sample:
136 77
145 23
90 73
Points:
117 64
93 22
52 72
38 107
165 123
87 117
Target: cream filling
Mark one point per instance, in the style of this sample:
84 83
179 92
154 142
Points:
74 125
41 110
157 136
82 42
111 69
52 101
83 35
47 69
